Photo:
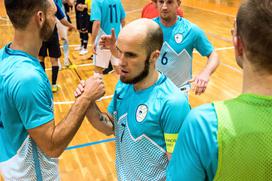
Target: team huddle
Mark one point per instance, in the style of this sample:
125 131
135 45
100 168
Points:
157 134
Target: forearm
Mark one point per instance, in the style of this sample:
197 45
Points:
99 120
66 23
95 30
63 133
212 63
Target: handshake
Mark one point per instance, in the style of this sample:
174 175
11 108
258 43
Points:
92 89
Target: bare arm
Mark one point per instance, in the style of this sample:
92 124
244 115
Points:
202 79
53 139
66 23
100 121
123 22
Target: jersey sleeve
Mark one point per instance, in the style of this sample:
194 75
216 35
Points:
202 44
33 101
173 115
96 11
59 14
196 150
123 13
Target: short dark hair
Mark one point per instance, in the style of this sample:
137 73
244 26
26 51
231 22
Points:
178 1
154 39
254 27
20 11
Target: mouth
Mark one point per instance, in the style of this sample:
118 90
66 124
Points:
123 72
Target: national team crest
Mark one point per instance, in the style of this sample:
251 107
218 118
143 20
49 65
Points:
141 112
178 38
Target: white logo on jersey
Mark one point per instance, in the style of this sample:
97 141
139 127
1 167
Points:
141 112
178 38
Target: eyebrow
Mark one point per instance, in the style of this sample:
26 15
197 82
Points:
132 53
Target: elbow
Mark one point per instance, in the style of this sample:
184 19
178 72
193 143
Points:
53 151
97 24
108 133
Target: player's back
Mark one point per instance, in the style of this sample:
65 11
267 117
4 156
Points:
109 13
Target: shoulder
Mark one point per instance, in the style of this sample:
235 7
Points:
169 92
157 20
203 117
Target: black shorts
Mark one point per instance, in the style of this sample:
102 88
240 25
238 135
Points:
84 23
52 45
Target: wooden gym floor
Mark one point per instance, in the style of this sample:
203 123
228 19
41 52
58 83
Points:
91 155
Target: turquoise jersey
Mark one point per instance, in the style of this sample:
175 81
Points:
110 13
142 120
26 103
196 152
180 40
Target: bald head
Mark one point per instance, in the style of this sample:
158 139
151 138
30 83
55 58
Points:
146 32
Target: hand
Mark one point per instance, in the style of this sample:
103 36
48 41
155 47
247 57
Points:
108 41
80 89
72 27
93 88
80 7
201 82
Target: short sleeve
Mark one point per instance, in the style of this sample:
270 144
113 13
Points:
196 150
173 115
202 44
96 11
59 14
123 13
33 100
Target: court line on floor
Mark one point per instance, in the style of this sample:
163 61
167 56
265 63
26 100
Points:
90 144
72 102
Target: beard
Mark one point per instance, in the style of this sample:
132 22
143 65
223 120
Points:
140 76
46 31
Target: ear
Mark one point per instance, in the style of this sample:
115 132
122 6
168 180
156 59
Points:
179 2
40 18
238 45
154 56
155 3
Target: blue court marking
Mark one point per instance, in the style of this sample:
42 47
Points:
90 144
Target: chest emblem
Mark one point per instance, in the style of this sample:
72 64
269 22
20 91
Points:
178 38
141 112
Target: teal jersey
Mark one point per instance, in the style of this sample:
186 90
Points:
195 156
109 13
26 103
176 56
143 119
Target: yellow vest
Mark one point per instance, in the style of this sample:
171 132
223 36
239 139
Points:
244 138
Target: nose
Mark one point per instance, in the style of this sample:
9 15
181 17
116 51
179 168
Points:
164 5
122 61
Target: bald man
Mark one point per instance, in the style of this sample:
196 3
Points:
145 112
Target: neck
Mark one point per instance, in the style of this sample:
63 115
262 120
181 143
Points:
169 22
150 80
27 41
256 81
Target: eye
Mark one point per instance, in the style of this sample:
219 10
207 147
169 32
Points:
130 55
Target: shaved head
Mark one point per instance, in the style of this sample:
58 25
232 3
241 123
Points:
139 44
146 32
